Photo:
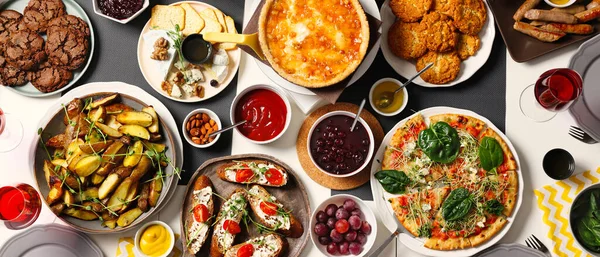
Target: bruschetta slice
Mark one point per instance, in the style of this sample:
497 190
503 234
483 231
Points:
270 245
272 213
227 225
198 219
253 172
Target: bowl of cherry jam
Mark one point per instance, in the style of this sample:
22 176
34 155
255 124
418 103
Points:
335 150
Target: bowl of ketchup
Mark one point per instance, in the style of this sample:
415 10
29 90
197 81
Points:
266 110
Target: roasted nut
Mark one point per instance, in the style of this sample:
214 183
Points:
161 43
195 132
211 122
205 117
179 78
167 87
207 126
200 92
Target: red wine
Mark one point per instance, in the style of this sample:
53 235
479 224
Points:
19 205
556 89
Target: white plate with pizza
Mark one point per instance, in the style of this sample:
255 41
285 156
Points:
451 200
199 80
370 7
468 67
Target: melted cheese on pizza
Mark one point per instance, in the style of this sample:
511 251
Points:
314 40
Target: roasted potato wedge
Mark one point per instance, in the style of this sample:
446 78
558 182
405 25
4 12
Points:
73 109
59 153
98 147
131 195
94 206
55 194
123 172
57 208
111 132
75 158
80 214
141 169
83 126
57 141
134 154
155 137
154 126
60 162
144 195
48 172
108 185
88 194
112 122
68 198
88 165
97 115
135 118
110 224
69 179
97 179
115 203
159 148
135 131
155 189
128 217
114 154
117 108
72 147
102 101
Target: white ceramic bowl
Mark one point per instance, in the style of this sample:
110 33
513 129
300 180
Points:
212 115
369 132
367 214
560 5
571 223
404 99
138 236
288 116
123 21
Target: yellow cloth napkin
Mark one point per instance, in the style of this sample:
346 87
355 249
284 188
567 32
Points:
126 247
555 201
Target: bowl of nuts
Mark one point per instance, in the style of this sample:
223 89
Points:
198 125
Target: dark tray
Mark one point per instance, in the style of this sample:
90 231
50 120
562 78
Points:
521 47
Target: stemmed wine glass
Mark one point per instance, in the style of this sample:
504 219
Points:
20 206
11 132
553 92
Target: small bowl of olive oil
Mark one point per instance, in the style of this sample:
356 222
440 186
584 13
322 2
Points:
560 3
388 85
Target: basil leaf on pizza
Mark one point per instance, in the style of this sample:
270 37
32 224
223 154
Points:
494 207
393 181
490 154
440 142
457 205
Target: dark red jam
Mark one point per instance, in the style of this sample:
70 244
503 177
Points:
120 9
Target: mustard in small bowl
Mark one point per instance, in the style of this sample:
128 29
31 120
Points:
154 239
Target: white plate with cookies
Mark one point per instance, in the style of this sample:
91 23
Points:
466 68
194 17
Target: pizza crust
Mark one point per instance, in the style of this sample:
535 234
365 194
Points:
488 232
448 244
471 124
416 121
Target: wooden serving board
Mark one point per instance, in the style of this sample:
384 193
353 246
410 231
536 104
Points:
293 196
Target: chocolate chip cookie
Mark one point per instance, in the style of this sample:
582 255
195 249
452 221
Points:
25 50
38 13
50 79
70 21
12 76
67 47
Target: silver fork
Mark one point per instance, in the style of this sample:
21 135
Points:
535 243
581 135
386 243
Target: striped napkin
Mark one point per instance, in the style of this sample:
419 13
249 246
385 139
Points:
126 247
555 201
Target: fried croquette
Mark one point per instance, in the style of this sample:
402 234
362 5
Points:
469 15
440 34
445 69
467 46
410 10
407 40
443 6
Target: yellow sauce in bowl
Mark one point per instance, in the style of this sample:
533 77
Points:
388 86
155 241
559 2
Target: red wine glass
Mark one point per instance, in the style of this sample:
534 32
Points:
20 206
553 92
11 132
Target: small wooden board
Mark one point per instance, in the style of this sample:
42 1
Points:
313 172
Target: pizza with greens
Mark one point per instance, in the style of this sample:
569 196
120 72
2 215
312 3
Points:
454 181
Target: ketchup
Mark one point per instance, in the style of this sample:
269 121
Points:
265 113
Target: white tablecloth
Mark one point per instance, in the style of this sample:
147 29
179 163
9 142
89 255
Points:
532 140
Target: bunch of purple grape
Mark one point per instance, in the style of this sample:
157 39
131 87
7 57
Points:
341 228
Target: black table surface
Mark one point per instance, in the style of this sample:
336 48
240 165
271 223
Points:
115 60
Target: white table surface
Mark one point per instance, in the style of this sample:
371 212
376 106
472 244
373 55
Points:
532 140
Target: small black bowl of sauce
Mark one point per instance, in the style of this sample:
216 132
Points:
558 164
195 49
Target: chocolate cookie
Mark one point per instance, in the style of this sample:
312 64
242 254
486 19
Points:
38 13
50 79
66 47
70 21
10 20
25 50
12 76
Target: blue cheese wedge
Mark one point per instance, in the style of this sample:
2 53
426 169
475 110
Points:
176 92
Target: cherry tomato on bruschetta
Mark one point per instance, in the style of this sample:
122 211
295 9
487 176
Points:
245 251
244 175
201 213
274 176
268 208
232 227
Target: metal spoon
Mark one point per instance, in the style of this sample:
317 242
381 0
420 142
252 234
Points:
227 128
387 98
362 104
